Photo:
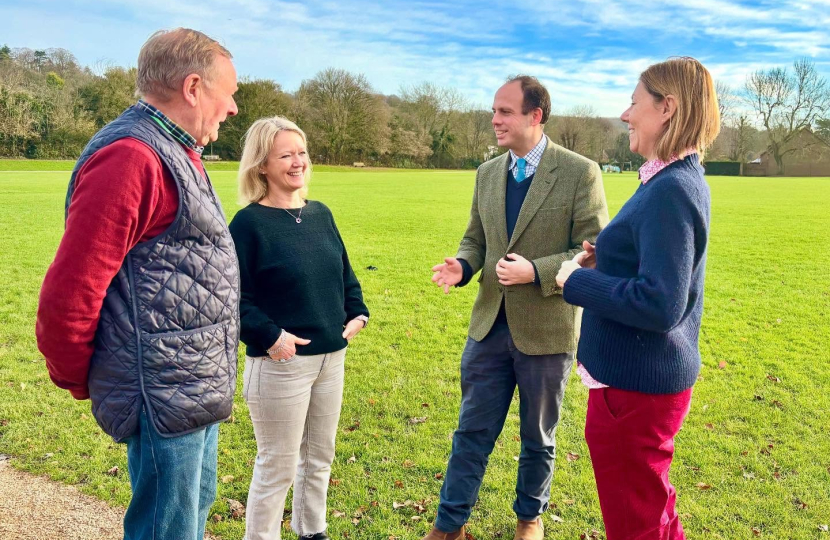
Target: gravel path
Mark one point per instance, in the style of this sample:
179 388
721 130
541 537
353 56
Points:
36 508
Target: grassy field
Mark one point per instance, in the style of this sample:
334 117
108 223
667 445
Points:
753 459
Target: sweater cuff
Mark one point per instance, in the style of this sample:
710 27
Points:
468 273
273 335
589 288
80 393
352 315
536 279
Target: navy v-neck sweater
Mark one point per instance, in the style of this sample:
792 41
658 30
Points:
643 302
514 198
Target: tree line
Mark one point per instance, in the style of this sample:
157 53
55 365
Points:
50 106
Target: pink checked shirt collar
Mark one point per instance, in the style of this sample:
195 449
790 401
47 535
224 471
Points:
654 166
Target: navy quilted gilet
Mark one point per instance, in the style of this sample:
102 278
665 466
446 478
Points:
169 327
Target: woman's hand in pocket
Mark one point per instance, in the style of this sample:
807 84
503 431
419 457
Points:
286 346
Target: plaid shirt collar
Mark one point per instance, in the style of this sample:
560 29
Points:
170 127
533 157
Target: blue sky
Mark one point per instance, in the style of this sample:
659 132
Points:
588 52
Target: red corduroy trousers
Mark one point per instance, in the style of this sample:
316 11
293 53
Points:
630 436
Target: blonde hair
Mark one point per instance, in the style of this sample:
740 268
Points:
169 56
696 122
259 139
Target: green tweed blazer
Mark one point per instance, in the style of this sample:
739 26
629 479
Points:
565 205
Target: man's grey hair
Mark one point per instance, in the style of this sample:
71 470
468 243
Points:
169 56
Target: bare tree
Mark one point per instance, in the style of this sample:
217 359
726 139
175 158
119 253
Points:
65 125
62 61
604 140
18 120
435 112
823 129
476 134
433 107
12 75
727 101
574 128
343 116
741 140
407 147
787 104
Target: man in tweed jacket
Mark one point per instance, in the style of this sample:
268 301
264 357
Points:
533 207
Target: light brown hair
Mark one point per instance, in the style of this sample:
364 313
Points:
259 139
169 56
696 122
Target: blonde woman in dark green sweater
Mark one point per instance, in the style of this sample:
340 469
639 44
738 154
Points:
301 304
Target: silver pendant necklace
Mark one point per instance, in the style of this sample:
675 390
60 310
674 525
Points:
297 218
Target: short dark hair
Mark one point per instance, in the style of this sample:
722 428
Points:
534 95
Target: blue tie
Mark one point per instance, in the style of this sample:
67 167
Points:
520 173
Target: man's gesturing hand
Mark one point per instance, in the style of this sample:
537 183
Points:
448 273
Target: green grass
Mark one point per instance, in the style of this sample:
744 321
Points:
761 445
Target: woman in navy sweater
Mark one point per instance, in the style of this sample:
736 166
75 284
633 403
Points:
641 288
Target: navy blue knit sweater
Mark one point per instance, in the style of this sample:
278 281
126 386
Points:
644 300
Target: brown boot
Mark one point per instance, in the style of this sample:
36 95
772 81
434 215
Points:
436 534
530 530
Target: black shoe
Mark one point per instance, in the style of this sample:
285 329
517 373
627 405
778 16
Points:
317 536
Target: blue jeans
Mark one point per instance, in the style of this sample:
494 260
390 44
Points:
490 371
173 482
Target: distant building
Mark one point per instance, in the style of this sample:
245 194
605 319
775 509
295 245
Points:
811 159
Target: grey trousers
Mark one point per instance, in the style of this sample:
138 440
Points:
491 369
295 408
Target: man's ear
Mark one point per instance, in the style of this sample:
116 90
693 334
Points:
537 116
192 89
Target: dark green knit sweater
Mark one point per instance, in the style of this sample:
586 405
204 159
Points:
294 276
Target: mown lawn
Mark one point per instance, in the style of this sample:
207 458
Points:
753 459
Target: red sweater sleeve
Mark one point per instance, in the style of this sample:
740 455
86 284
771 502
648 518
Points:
123 195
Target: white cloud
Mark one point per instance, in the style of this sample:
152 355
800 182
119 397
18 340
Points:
586 51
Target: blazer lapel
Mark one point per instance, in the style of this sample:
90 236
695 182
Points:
498 200
543 181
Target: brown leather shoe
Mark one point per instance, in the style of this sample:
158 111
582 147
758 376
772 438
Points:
530 530
436 534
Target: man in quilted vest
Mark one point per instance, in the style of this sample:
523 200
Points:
139 312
